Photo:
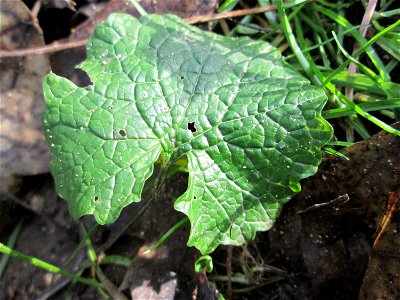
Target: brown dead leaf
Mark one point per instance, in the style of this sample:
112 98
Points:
22 147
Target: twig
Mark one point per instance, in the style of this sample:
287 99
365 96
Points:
230 14
59 46
349 91
229 272
53 47
252 26
35 10
340 200
363 31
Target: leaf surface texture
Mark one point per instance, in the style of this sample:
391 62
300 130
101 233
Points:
250 127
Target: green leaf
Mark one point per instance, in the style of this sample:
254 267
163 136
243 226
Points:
204 262
250 128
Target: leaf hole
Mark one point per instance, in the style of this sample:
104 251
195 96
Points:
191 126
96 198
182 77
122 133
81 79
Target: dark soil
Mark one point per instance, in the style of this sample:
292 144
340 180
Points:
318 249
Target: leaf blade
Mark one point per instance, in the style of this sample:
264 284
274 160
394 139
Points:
250 128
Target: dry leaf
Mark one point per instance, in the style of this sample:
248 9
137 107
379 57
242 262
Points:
22 147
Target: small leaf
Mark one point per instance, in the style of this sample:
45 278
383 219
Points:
249 127
204 262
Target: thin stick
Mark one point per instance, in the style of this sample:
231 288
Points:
230 14
59 46
338 201
229 272
53 47
349 91
363 31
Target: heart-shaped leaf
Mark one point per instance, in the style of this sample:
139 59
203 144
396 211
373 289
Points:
250 127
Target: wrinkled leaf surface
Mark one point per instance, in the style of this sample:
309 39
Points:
250 128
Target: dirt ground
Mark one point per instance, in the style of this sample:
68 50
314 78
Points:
330 242
322 246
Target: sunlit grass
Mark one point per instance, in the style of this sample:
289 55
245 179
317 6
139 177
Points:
318 39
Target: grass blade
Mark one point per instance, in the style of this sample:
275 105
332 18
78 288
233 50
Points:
47 266
11 242
360 39
166 235
368 106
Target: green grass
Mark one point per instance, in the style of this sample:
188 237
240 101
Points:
11 242
320 39
48 266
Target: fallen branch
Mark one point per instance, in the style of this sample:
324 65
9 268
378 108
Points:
59 46
53 47
230 14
